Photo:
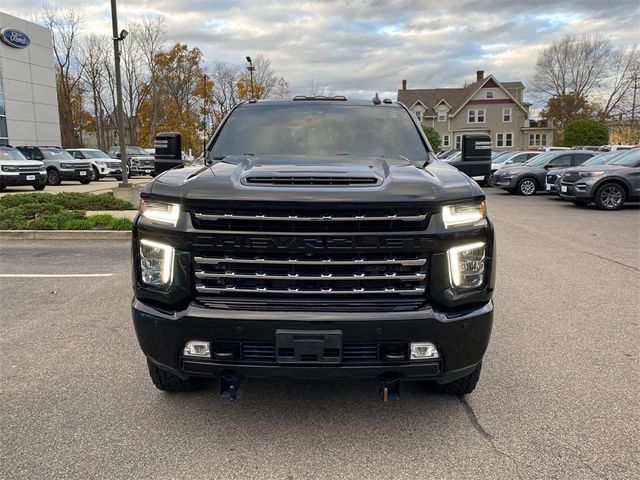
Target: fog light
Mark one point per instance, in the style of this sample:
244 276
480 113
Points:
420 351
196 348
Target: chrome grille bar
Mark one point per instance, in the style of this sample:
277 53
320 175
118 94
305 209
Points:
392 261
326 291
258 276
297 218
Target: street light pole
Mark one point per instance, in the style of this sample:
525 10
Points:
117 38
251 68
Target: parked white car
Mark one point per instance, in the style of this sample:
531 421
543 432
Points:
16 170
101 163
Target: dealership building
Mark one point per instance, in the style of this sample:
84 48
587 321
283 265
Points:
28 98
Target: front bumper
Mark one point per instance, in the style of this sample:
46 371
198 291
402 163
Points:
75 174
503 182
461 339
579 190
18 179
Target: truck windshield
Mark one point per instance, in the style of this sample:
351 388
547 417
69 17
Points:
315 129
7 153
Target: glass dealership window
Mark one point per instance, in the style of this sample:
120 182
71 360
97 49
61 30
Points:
4 134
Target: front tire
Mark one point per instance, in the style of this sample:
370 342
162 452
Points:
610 196
462 386
53 177
169 382
39 186
527 187
95 176
85 182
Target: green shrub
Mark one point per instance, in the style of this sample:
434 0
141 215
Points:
433 136
44 216
585 132
68 201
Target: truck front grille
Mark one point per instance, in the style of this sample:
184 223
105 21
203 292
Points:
313 220
30 169
300 276
552 179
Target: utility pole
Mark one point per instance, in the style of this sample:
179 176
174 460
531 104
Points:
117 38
251 68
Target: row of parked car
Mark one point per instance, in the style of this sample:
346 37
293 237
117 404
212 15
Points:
40 166
607 178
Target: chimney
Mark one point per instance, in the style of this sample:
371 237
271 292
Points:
404 84
479 75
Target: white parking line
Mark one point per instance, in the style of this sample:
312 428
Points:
47 275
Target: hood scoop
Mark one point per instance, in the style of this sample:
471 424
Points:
311 181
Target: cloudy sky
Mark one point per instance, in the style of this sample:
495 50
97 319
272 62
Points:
362 46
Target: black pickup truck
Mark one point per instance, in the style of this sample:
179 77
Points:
321 239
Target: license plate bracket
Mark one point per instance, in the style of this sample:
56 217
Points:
309 346
31 178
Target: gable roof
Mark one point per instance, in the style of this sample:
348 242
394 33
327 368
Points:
456 98
432 96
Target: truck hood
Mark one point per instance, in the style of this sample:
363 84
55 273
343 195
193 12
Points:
397 180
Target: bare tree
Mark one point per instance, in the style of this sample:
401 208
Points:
92 56
281 89
135 84
317 89
224 92
65 25
624 68
263 77
151 40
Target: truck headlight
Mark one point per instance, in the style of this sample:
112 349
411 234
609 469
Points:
67 166
463 214
156 263
160 212
466 265
9 168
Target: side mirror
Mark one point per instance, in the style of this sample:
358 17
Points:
117 154
168 151
508 162
475 158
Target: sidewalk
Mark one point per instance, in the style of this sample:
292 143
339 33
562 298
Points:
104 185
130 214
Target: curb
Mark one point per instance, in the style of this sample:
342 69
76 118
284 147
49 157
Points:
65 235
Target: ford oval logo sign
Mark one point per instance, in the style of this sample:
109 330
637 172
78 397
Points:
14 38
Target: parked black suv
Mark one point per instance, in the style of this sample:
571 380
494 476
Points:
322 239
608 186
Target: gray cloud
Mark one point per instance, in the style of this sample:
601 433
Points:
362 46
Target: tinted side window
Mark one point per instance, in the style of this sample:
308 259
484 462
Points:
37 154
580 158
520 158
561 161
531 155
27 152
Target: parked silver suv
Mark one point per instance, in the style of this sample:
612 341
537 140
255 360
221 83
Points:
59 164
101 163
16 170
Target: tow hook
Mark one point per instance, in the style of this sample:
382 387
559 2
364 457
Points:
229 385
389 386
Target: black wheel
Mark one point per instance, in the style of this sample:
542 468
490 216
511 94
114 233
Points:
527 186
487 181
40 186
95 174
610 196
119 178
462 386
167 381
2 187
53 177
85 182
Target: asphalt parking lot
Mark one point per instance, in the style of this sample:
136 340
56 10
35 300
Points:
559 394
